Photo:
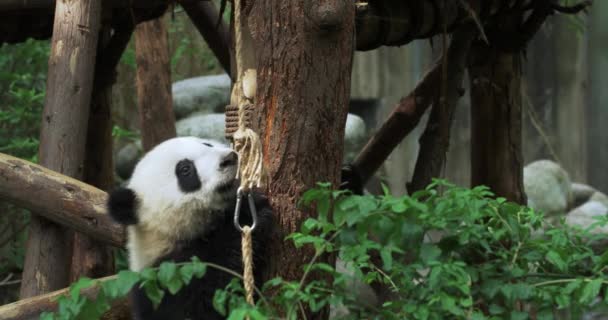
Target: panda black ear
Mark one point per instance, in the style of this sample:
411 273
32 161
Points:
121 206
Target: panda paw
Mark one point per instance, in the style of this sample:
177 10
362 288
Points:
351 179
121 206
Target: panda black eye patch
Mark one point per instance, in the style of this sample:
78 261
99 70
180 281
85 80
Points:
187 176
208 144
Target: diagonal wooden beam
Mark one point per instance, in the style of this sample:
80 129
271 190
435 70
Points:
404 118
205 17
59 198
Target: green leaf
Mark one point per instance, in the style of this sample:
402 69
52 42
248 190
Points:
387 258
47 316
496 309
198 268
153 292
554 258
168 277
399 207
219 301
238 314
518 315
122 285
82 283
590 291
429 253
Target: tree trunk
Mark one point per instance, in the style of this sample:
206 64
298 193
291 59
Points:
154 98
62 136
91 258
496 146
304 57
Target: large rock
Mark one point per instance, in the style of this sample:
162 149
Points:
208 126
599 197
207 94
581 193
584 216
127 158
355 136
547 186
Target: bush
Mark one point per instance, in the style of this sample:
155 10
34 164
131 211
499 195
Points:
493 260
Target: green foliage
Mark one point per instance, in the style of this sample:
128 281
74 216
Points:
169 276
492 260
120 133
22 83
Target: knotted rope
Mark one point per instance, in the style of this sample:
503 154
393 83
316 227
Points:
247 144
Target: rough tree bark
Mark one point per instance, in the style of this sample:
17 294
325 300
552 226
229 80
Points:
304 57
496 141
62 136
91 258
154 98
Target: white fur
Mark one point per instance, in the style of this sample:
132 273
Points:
165 213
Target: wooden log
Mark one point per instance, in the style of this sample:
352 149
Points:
91 258
31 308
208 22
62 135
15 5
64 200
154 99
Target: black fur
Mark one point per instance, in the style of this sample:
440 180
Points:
351 179
187 176
221 245
122 204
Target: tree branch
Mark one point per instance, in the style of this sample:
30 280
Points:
59 198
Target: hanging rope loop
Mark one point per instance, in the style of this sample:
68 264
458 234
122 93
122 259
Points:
237 211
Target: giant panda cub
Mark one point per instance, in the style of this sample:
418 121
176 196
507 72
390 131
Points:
180 203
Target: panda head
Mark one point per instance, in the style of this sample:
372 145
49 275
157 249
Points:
177 189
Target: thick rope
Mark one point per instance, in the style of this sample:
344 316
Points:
247 144
248 278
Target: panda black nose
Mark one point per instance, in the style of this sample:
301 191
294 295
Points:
229 160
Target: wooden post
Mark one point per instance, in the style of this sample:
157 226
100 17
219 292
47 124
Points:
92 258
304 55
496 125
62 135
154 99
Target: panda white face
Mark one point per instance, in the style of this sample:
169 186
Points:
181 184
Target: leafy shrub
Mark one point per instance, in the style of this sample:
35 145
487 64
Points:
493 260
22 84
